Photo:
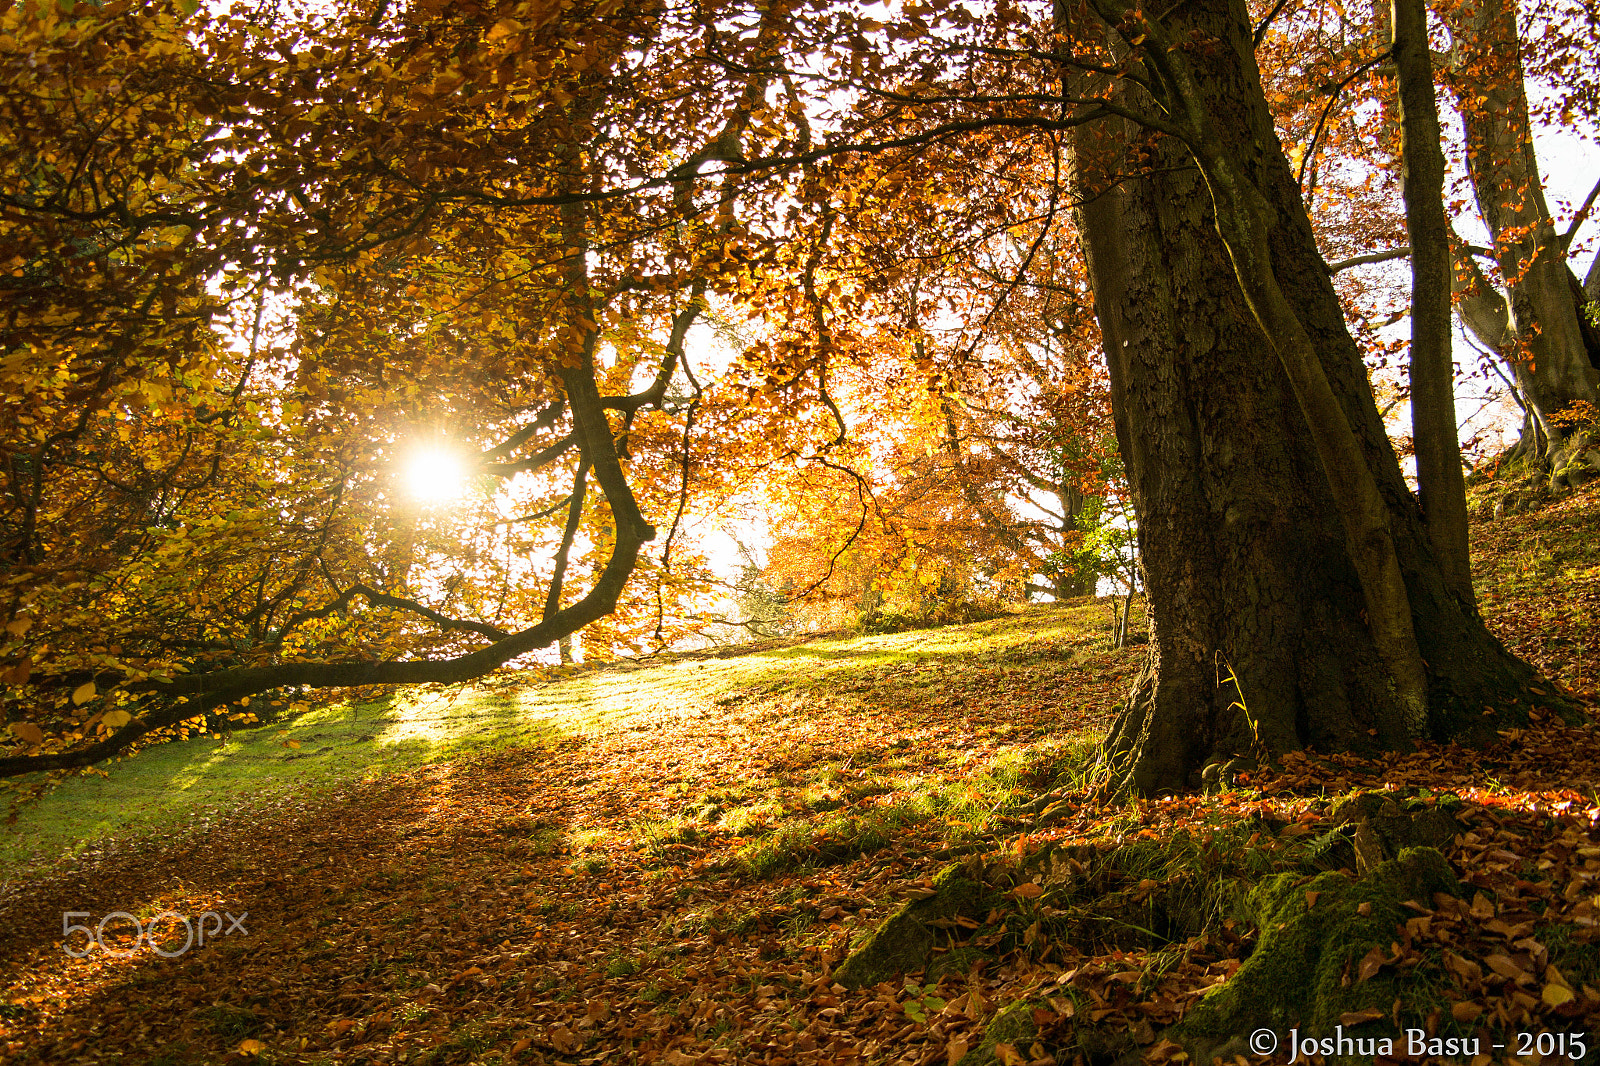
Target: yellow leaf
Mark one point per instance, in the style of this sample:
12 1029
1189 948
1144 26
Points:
1009 1055
250 1047
292 743
1557 995
27 731
18 626
503 28
115 719
84 693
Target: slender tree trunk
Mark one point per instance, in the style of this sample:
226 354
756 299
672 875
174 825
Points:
1244 532
1552 357
1440 483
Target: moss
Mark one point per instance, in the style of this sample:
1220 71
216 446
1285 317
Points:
1303 973
1013 1025
904 941
955 963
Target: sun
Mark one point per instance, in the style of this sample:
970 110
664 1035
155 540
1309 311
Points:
435 474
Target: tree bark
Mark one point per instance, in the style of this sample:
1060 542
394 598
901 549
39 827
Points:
1440 484
1261 634
1553 359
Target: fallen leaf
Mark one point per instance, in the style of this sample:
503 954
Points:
27 732
1360 1017
562 1039
1503 966
1008 1055
1557 995
1371 963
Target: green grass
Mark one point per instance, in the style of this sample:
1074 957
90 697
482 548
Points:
177 788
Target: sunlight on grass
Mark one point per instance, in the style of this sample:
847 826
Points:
181 787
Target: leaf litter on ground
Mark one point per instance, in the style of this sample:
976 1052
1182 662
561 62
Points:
680 890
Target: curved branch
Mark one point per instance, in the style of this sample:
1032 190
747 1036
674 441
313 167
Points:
199 693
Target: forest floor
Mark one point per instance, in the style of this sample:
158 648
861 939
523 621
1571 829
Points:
671 864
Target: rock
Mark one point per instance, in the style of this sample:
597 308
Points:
1384 827
905 941
1314 937
1013 1025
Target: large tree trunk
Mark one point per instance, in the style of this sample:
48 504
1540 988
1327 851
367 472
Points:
1260 638
1544 339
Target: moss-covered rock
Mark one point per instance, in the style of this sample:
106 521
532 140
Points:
1382 826
1305 971
905 940
1013 1025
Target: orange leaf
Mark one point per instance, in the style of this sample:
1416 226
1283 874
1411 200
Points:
1360 1017
27 732
1465 1012
1027 891
250 1047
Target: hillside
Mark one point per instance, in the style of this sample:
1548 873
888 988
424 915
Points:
693 862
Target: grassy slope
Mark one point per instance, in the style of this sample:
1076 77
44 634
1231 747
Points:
174 788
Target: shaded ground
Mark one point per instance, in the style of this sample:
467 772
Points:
678 877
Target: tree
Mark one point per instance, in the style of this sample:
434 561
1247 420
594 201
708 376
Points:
1540 332
1441 489
439 203
496 227
1294 596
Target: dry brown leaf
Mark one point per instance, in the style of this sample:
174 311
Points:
1008 1055
1371 963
